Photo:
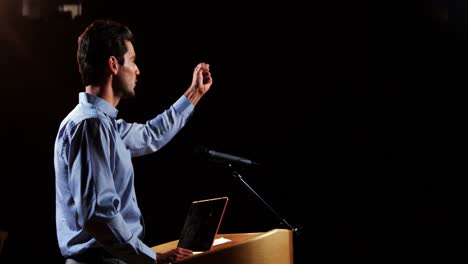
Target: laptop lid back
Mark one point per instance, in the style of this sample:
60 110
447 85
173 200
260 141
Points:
202 224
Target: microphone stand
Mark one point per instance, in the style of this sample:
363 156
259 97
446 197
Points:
236 174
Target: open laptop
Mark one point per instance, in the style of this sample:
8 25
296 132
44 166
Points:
202 224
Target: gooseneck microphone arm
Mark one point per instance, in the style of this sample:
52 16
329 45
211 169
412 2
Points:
237 175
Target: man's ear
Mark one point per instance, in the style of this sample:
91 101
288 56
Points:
113 64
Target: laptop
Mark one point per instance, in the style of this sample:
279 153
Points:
202 224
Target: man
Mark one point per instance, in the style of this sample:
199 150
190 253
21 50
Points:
97 216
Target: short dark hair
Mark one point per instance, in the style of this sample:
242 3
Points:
100 40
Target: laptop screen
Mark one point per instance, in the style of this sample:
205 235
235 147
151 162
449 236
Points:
202 224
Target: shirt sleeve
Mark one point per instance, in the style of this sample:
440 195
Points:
92 186
142 139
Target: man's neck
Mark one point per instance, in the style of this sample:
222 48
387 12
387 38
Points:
104 92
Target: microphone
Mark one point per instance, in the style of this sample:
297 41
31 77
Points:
223 157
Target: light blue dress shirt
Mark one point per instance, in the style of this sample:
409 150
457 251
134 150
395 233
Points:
95 194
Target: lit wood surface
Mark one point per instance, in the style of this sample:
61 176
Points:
272 247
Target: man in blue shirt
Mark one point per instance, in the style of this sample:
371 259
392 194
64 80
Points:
97 215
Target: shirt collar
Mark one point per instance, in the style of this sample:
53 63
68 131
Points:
99 103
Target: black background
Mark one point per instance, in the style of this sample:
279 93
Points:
346 106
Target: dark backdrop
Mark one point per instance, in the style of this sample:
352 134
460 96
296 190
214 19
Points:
345 107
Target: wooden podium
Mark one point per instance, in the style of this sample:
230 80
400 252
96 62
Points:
272 247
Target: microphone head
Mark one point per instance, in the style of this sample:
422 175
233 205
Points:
204 153
200 150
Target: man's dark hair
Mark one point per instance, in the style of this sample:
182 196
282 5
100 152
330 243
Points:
100 40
